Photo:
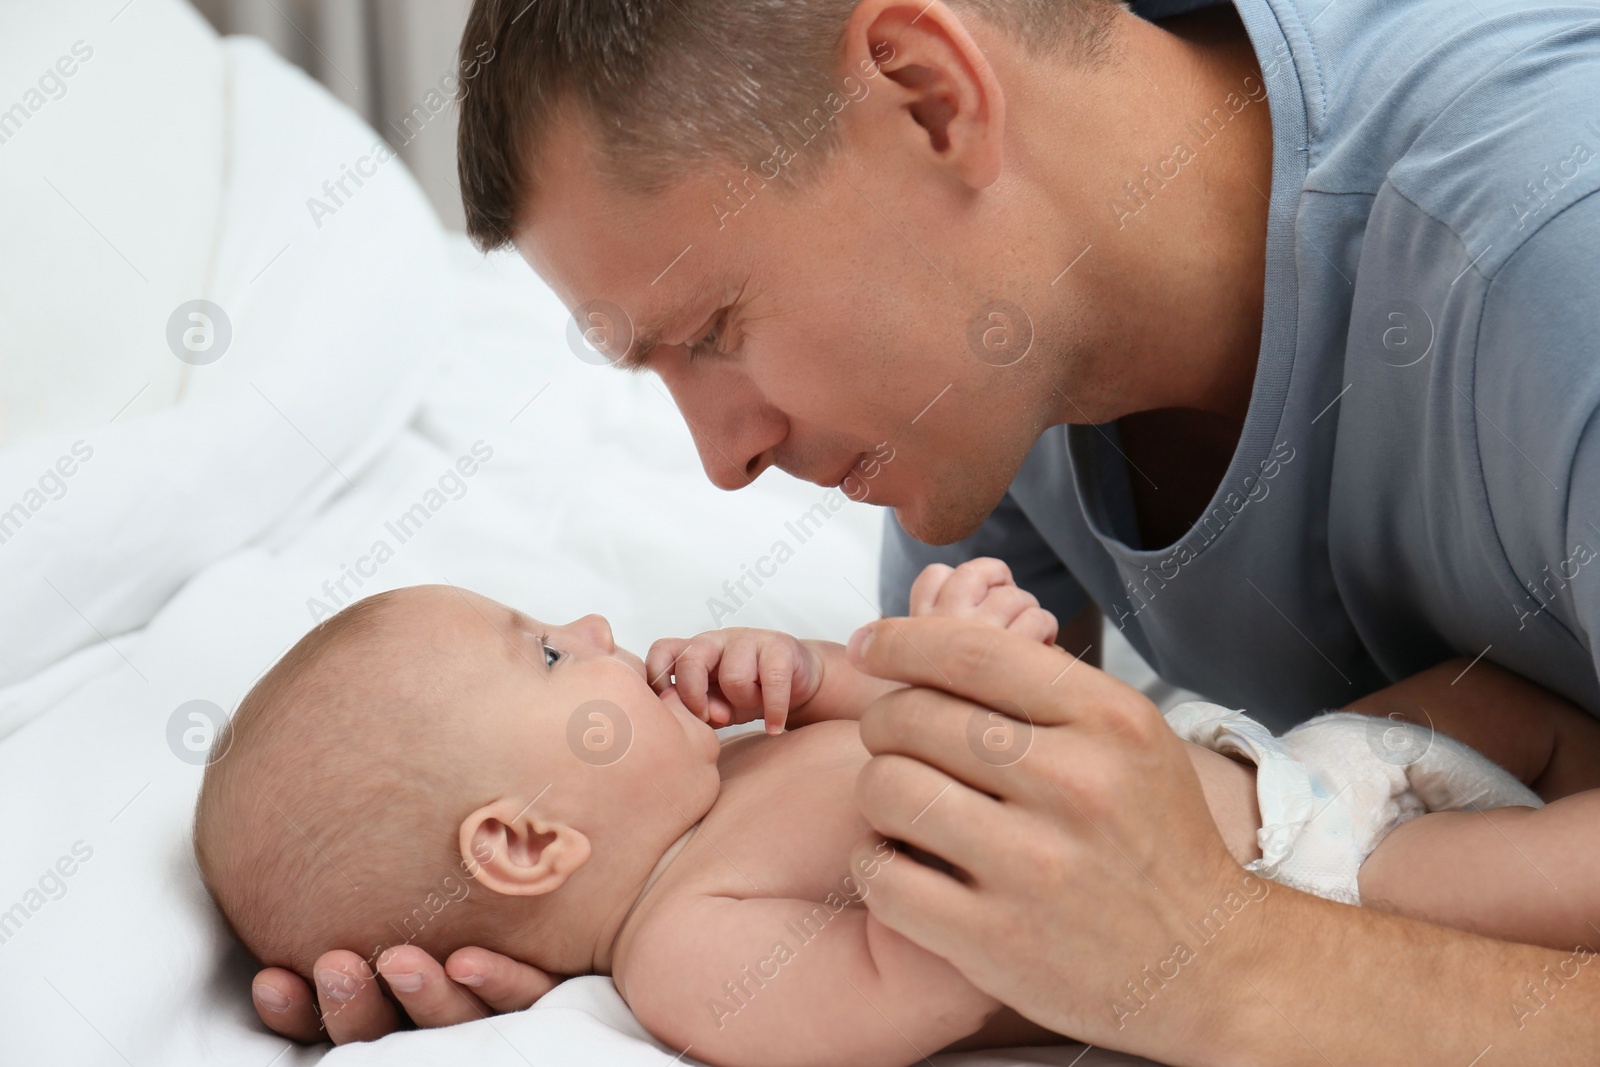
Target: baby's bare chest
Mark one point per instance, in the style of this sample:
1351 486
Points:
786 820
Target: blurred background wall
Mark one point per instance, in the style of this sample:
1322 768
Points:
383 58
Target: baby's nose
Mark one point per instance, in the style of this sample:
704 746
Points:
595 628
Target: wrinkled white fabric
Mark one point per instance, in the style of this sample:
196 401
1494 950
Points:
1334 786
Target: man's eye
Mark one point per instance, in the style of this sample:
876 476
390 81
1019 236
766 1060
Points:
707 343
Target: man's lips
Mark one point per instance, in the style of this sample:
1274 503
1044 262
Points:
833 481
863 489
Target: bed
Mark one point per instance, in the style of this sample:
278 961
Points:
183 497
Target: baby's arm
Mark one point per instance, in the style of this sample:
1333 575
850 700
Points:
981 589
730 676
844 692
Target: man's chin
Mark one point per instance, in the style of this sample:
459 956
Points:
937 526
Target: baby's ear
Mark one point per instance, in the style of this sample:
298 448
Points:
509 849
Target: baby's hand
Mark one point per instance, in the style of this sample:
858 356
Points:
982 589
736 675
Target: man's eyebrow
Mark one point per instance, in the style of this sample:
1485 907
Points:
636 359
648 337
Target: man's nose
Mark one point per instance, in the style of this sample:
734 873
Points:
734 429
596 630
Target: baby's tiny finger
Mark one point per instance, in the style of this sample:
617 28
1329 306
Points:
925 590
777 672
693 680
1003 605
738 675
671 696
971 584
660 660
1038 624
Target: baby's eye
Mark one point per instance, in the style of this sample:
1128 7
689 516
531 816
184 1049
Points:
551 654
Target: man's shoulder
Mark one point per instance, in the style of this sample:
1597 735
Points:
1485 118
1536 351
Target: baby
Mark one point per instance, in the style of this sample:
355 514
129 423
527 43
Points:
434 768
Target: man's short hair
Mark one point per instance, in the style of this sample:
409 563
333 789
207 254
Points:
666 85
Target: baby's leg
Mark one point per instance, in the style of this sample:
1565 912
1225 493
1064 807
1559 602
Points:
1230 789
1509 873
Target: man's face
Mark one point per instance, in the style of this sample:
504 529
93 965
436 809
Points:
840 319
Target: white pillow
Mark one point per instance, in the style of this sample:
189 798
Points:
334 321
111 161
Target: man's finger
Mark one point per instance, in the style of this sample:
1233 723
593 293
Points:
906 800
287 1005
971 742
502 983
990 666
914 900
353 1006
425 992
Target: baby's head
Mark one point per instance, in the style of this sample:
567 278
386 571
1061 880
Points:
432 767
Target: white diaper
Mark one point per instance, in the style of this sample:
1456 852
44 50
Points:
1331 788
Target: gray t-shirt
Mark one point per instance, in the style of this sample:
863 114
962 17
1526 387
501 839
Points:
1418 475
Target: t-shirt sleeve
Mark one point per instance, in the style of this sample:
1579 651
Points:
1538 400
1006 535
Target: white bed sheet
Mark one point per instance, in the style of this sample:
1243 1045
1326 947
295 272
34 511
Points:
592 500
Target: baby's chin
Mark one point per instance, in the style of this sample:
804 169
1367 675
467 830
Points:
699 733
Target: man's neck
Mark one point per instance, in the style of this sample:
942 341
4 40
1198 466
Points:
1188 265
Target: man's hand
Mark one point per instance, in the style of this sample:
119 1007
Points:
736 675
982 589
1084 849
1093 894
472 984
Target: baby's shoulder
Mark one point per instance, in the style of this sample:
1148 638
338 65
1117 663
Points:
687 933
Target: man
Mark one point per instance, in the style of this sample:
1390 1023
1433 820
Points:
1267 329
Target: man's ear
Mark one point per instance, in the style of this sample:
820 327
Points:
509 849
945 83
